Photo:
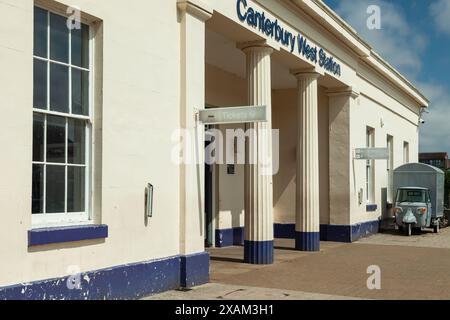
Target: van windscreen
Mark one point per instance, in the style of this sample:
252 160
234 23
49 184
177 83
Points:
406 195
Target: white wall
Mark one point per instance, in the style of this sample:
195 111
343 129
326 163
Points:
140 111
365 113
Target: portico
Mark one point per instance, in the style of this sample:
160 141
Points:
254 57
243 69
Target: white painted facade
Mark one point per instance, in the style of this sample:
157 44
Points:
155 62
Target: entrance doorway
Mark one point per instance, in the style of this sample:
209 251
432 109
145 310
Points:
209 199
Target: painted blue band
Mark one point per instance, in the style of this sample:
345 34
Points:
365 229
284 230
194 269
307 241
371 208
44 236
331 232
258 252
131 281
350 233
229 237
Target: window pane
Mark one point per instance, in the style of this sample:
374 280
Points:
40 84
80 46
80 92
55 189
59 88
38 137
76 141
75 189
40 32
37 204
59 38
56 138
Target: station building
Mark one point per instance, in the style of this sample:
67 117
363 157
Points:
89 114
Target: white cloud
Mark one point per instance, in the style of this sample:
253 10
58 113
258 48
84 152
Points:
434 133
440 11
396 41
402 44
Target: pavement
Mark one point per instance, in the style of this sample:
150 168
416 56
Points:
416 267
219 291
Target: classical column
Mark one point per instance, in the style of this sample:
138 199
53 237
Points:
258 244
307 227
194 259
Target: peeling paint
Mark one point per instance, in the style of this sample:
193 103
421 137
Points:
129 281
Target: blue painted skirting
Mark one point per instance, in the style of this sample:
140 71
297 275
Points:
229 237
337 233
307 241
258 252
362 230
194 269
130 281
44 236
345 233
284 230
371 208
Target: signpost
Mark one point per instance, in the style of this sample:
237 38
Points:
231 115
372 154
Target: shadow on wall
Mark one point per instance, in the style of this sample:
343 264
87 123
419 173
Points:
284 118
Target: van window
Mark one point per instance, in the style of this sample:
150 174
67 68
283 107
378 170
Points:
405 195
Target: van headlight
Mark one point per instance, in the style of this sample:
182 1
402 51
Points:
422 210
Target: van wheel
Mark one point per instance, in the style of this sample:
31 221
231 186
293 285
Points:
408 230
436 228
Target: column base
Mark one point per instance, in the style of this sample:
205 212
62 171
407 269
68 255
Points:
258 252
307 241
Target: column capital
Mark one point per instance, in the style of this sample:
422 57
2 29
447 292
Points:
259 46
343 91
312 72
197 8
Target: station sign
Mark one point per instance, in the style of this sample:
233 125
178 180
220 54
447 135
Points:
246 114
372 154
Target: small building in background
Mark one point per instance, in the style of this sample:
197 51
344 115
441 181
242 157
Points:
437 159
440 160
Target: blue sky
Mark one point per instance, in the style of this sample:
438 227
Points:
415 38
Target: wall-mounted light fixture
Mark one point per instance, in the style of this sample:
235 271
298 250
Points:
360 196
149 200
422 111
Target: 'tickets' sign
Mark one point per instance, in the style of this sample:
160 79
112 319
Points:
276 31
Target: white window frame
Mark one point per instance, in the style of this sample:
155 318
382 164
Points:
65 218
370 167
405 152
390 168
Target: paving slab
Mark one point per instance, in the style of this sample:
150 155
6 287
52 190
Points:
217 291
425 239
